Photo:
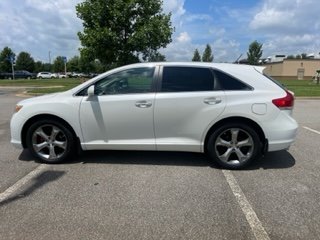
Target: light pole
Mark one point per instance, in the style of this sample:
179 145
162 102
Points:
49 61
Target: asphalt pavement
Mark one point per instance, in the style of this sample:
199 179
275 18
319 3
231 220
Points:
161 195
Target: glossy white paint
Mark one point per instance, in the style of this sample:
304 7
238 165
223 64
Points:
182 118
170 121
115 122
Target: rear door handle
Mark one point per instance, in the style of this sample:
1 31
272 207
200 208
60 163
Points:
212 100
143 104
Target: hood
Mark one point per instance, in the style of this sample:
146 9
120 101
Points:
38 99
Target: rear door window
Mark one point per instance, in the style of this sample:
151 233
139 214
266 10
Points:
187 79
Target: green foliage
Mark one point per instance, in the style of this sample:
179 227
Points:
304 55
58 64
119 32
196 56
73 65
207 54
86 65
46 67
155 56
82 64
5 65
291 57
254 53
38 66
25 62
298 56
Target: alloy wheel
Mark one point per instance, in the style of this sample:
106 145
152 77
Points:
234 146
49 142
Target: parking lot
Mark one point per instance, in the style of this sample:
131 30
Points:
161 195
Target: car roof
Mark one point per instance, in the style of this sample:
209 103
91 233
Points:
251 75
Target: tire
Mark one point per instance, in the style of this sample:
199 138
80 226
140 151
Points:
50 141
234 145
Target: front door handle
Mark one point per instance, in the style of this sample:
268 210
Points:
212 100
143 104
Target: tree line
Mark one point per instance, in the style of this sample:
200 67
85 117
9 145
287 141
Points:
207 55
24 61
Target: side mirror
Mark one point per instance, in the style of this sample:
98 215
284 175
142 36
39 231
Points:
91 91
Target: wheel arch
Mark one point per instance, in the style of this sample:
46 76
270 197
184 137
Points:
39 117
244 120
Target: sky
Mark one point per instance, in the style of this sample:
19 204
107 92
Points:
229 26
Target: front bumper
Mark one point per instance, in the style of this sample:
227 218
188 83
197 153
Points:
16 125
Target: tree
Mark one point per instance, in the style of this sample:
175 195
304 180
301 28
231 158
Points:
119 32
38 66
196 56
304 55
291 57
25 62
155 56
254 53
73 64
46 67
298 56
5 64
207 54
58 64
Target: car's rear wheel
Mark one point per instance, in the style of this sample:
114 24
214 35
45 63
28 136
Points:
234 146
50 141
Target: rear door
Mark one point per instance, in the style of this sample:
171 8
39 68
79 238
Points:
186 105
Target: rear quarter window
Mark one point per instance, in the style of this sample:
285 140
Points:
230 83
276 82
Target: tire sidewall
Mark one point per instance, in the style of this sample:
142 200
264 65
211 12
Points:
212 139
70 140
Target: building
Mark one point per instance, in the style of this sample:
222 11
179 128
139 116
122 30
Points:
301 69
275 58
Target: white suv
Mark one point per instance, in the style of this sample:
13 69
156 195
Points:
233 113
46 75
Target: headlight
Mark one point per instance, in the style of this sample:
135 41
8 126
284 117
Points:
17 108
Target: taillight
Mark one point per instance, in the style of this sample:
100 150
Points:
285 102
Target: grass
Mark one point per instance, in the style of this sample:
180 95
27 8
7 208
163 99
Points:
301 88
43 86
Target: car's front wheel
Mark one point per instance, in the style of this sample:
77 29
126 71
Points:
50 141
234 146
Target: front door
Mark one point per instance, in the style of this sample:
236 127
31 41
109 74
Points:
120 115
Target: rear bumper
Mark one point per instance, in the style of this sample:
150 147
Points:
281 132
280 145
